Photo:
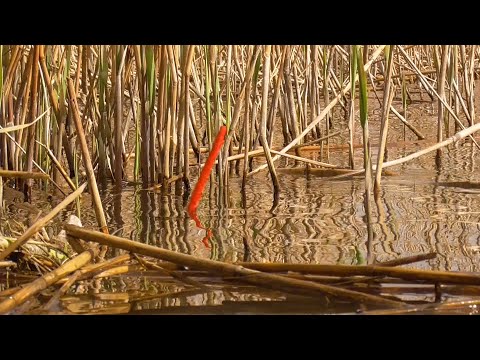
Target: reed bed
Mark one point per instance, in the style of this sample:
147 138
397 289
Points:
145 109
94 114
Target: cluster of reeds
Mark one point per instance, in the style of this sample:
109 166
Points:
155 106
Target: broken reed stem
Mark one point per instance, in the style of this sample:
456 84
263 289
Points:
264 114
23 175
20 148
32 230
407 124
305 160
176 275
58 166
430 88
246 275
408 259
387 101
63 289
92 270
5 264
97 203
369 270
316 141
45 281
451 140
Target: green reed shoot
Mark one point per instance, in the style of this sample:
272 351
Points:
362 77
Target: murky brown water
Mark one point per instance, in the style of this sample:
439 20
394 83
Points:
317 221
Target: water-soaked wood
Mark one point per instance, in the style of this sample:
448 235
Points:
32 230
271 281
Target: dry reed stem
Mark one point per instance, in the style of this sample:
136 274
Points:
264 114
91 270
451 140
320 117
23 175
408 259
370 270
6 264
323 138
119 270
63 289
58 166
431 89
305 160
32 230
45 281
97 202
176 275
407 124
12 128
245 275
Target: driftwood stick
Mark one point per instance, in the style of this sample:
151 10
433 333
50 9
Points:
271 281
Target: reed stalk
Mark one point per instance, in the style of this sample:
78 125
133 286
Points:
97 203
242 274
